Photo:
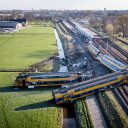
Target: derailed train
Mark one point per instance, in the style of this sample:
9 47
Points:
47 79
82 89
85 88
106 60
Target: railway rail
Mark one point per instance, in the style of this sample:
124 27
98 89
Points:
116 47
62 28
120 100
69 28
124 94
126 43
112 51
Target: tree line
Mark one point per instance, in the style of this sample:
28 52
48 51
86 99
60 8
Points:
118 25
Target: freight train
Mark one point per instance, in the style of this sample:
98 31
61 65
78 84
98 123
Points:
106 60
47 79
83 89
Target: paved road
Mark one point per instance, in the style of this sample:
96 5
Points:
95 112
69 123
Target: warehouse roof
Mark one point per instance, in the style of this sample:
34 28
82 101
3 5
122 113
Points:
19 20
8 24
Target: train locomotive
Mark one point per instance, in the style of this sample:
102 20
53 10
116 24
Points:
82 89
47 79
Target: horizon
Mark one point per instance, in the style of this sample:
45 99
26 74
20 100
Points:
64 9
62 5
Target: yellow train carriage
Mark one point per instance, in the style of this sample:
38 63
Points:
81 90
47 79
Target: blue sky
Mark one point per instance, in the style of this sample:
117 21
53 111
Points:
64 4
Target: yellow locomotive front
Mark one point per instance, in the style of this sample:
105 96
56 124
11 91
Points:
21 80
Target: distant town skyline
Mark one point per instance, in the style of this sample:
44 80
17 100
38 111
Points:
64 4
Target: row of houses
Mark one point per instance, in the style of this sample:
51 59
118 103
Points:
16 24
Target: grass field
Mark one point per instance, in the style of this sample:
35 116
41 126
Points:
26 47
41 23
29 108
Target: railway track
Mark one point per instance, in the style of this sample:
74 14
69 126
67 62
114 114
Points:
121 54
120 98
111 50
116 47
116 56
126 43
124 94
115 50
62 28
112 44
68 27
126 90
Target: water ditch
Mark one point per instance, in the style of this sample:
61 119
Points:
69 120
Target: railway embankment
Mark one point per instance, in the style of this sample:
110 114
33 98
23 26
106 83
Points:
113 113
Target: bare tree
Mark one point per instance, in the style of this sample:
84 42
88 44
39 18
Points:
123 23
110 29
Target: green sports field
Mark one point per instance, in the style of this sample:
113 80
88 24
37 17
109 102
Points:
26 47
30 108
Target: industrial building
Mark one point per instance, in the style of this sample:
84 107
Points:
8 26
22 21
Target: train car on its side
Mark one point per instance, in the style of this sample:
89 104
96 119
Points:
47 79
106 60
83 89
112 63
93 50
